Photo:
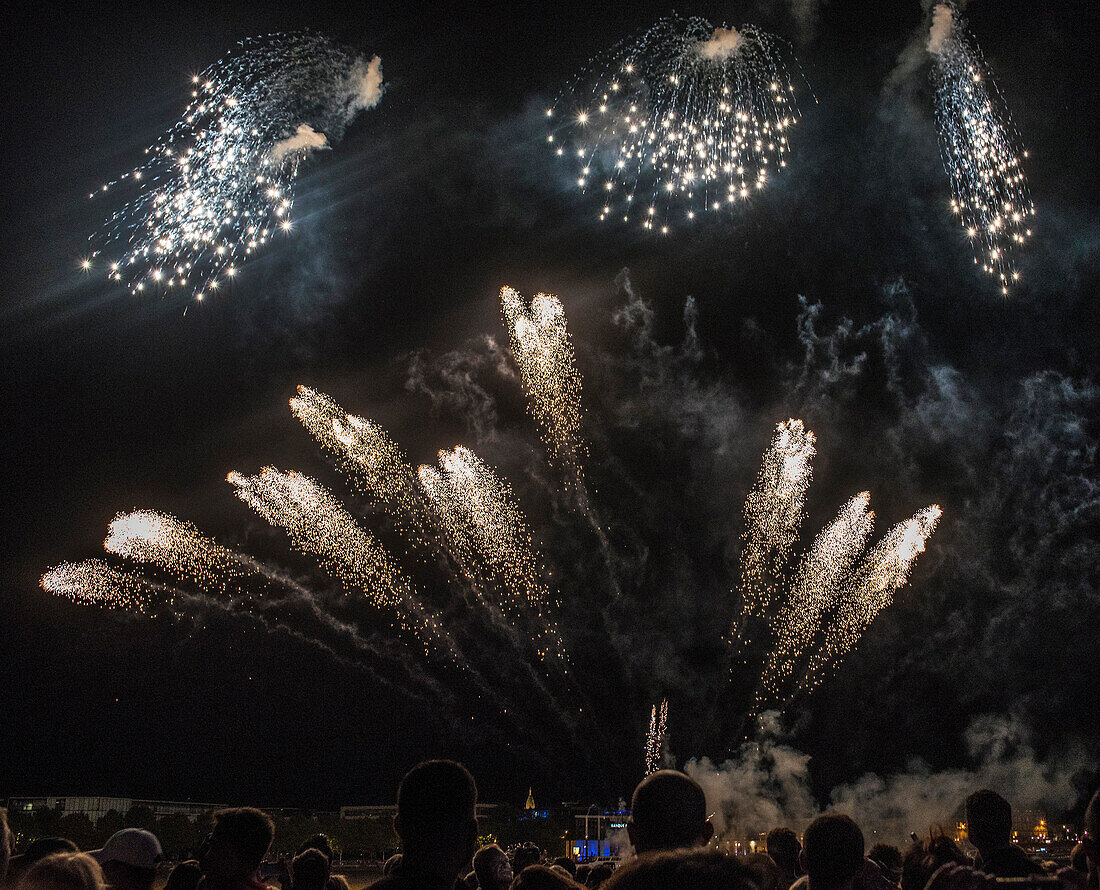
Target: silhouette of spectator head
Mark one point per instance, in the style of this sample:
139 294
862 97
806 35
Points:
129 859
525 855
36 851
682 870
832 852
568 864
185 876
5 845
310 870
235 848
765 873
317 842
669 811
543 877
390 864
599 874
988 820
493 868
888 858
923 858
63 871
437 818
783 846
337 882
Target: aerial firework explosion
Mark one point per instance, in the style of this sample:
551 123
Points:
686 119
219 184
544 353
655 739
463 520
980 149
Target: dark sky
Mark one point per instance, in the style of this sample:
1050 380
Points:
844 294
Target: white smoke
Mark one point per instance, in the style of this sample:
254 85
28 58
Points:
723 43
767 785
304 140
364 85
943 24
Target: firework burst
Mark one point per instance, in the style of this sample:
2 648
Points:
489 536
685 120
980 149
219 184
95 583
174 545
542 349
656 739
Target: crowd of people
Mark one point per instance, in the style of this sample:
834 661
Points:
669 831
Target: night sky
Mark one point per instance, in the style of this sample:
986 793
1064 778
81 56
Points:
844 294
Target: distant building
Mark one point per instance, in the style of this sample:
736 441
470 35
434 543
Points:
597 834
95 808
388 811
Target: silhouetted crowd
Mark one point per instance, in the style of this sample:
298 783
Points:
437 823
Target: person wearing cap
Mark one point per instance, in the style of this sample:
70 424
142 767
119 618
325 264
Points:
129 859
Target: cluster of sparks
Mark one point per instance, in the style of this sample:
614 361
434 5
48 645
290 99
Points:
656 738
542 349
686 119
980 150
463 512
838 587
219 184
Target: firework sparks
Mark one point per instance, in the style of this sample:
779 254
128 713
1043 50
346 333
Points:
980 149
656 738
773 512
816 587
687 115
95 583
884 569
542 349
219 184
319 524
491 540
174 545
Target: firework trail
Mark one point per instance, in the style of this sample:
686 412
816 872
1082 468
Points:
542 349
980 149
174 545
820 578
95 583
219 184
320 525
685 114
491 540
773 513
376 466
884 569
656 737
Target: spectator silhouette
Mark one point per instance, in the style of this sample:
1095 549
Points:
309 870
682 870
924 858
888 858
185 876
36 851
524 856
437 823
63 871
543 877
783 846
765 873
231 854
1090 840
568 864
598 875
129 859
989 827
669 811
5 846
832 852
493 869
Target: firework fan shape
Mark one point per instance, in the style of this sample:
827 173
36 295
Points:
542 349
219 184
800 621
684 120
980 149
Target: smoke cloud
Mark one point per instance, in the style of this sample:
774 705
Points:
724 43
943 24
304 141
